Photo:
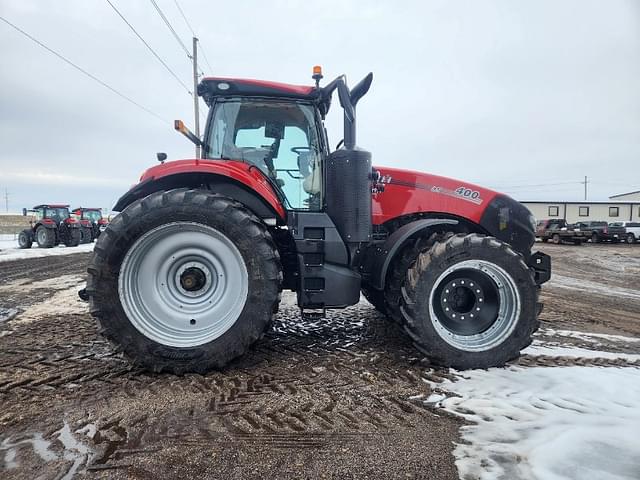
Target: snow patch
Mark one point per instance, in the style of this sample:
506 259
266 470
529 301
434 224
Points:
547 423
588 337
538 348
74 451
569 283
63 302
25 285
9 249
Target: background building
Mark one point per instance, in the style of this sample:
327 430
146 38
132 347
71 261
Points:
572 212
627 197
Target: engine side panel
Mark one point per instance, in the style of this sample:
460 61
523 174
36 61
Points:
406 192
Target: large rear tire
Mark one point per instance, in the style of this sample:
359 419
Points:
45 237
184 281
470 303
73 237
86 235
25 240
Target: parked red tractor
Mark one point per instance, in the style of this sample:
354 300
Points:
53 225
92 221
189 275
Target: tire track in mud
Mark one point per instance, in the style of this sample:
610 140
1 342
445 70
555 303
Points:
346 381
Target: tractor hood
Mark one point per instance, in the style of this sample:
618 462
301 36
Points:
407 192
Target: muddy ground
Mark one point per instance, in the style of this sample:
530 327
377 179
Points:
332 398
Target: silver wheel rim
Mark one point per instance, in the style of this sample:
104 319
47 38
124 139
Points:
507 316
183 284
42 236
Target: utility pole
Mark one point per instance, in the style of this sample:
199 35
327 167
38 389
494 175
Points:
196 106
6 199
585 187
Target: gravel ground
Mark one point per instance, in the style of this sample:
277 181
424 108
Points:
333 398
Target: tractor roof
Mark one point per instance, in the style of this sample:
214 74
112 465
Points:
51 205
87 208
211 87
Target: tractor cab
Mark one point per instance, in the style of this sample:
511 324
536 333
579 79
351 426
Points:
279 129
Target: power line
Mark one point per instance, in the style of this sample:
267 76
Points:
168 24
82 70
149 47
184 17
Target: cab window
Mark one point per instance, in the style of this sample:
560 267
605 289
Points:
280 138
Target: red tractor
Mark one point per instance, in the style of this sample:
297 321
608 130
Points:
188 276
53 225
92 221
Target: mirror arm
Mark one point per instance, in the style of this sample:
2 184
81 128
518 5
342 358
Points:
180 127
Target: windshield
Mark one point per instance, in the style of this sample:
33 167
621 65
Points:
278 137
57 214
93 215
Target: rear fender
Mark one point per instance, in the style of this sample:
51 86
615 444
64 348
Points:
383 255
50 226
240 191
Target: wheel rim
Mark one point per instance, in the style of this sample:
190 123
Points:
474 305
42 236
183 284
631 238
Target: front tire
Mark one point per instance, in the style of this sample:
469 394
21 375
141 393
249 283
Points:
470 303
24 239
184 281
631 238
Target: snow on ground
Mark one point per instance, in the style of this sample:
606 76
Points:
570 283
547 423
557 350
9 249
588 337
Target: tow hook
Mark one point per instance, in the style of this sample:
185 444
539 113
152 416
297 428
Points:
84 296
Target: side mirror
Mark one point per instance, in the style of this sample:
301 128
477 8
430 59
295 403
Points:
161 156
274 130
24 212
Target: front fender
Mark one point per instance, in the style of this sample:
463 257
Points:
385 253
239 180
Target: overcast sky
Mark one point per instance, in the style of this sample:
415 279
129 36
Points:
526 97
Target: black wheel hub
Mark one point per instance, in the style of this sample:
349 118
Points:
467 302
193 279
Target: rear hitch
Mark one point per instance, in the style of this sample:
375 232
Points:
84 296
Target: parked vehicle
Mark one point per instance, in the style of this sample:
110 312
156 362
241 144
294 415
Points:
631 230
558 231
600 231
92 219
189 275
53 225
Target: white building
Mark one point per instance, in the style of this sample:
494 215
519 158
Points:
613 211
627 197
